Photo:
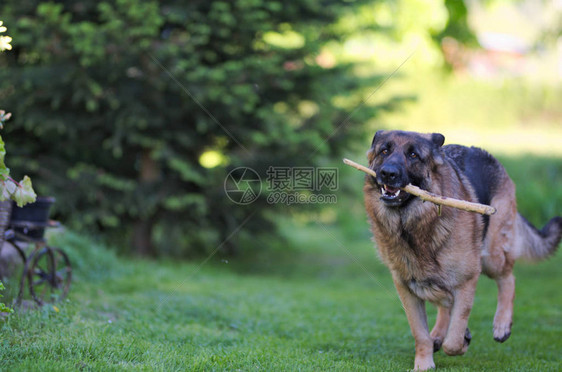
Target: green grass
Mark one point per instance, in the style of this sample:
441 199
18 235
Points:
325 304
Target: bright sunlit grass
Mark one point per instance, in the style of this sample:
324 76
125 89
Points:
511 141
511 117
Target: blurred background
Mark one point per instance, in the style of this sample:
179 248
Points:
132 113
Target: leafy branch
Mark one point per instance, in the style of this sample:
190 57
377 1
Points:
21 192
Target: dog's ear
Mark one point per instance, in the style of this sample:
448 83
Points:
378 134
438 139
375 138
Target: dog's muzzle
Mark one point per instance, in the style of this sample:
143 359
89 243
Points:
391 179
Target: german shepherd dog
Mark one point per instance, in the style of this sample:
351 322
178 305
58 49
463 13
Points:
437 254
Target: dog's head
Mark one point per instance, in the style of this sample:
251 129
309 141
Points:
400 158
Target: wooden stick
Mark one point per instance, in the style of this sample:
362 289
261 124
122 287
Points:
428 196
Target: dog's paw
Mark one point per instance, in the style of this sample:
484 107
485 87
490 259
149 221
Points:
437 343
467 337
423 364
502 331
453 350
457 347
437 338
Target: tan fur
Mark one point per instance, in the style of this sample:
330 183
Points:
438 258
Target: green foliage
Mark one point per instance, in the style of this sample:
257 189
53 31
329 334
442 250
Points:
3 307
116 101
457 24
537 180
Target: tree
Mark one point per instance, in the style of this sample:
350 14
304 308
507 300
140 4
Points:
116 101
457 24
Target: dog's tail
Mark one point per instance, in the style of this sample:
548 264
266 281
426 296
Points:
534 244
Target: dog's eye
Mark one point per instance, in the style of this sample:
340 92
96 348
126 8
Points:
413 155
384 152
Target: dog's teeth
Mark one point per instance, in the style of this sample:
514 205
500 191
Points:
386 191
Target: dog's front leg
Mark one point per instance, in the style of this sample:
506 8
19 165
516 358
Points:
417 318
439 331
458 336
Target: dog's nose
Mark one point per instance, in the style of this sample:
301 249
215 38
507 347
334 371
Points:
389 173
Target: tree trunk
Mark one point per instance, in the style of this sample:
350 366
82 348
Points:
142 238
142 230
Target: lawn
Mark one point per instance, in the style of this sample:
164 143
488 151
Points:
324 303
